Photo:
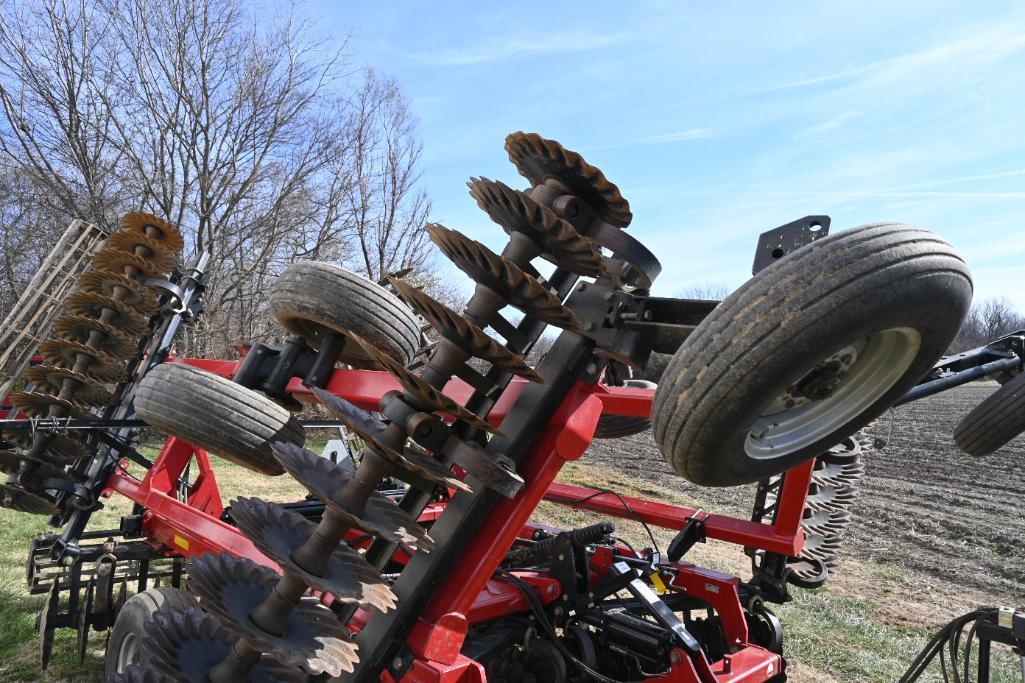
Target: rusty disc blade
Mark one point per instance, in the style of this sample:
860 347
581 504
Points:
546 162
560 242
422 392
78 328
16 498
119 261
462 332
502 276
121 287
141 223
143 247
12 462
61 449
51 378
64 354
278 533
190 643
370 429
35 404
122 316
324 479
230 587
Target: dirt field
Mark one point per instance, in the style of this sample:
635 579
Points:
925 506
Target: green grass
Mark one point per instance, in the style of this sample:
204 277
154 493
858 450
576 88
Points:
864 626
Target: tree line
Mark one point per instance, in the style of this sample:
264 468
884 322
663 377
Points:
265 143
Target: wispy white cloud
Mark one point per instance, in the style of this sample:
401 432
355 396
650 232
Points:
514 47
676 136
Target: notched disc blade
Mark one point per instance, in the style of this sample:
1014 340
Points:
64 354
78 328
838 498
423 393
546 162
13 462
121 287
502 276
35 404
119 261
515 211
133 243
16 498
124 317
51 379
190 643
369 428
462 332
324 479
139 221
61 448
230 587
278 533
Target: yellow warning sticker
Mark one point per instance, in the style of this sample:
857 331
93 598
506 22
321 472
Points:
657 582
182 543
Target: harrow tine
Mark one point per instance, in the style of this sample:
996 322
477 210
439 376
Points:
279 533
91 332
502 277
312 638
546 162
463 333
559 241
107 310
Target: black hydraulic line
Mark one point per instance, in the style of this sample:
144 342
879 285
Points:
959 378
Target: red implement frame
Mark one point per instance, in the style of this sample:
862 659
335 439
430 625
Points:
192 526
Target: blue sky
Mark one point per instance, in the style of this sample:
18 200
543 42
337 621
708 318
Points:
721 120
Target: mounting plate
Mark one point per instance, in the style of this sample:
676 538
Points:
778 242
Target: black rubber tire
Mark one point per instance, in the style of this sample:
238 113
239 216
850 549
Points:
618 426
136 611
994 422
313 299
216 414
782 323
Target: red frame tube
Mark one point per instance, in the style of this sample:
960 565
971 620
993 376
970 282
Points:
469 594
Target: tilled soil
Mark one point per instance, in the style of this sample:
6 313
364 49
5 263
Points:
925 506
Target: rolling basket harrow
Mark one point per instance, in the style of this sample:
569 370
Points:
446 577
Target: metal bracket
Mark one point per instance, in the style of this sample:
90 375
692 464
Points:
778 242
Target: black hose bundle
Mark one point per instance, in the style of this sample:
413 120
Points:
950 636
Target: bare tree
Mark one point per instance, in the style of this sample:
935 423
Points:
986 321
387 211
705 291
234 127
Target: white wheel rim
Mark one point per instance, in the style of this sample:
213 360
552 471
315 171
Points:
791 422
128 652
